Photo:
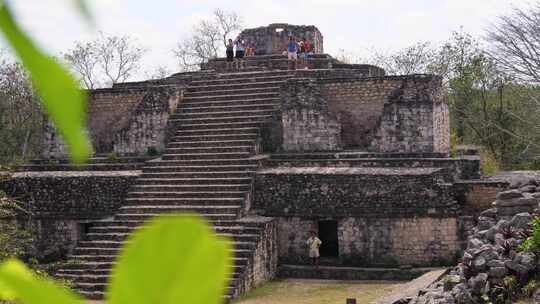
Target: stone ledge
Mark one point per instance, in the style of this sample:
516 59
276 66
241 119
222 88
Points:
350 273
39 174
350 171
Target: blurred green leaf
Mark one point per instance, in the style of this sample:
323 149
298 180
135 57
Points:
172 260
64 101
83 8
21 284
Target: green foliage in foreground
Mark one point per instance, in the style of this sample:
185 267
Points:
60 94
176 259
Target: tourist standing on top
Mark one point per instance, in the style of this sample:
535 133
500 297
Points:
305 49
240 48
314 243
249 50
292 52
230 53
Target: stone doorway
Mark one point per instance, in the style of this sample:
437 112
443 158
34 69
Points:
328 233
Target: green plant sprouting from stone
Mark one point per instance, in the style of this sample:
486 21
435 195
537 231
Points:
532 243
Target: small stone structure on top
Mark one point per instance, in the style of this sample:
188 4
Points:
272 39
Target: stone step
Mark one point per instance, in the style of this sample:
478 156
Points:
237 75
187 194
213 109
213 149
210 132
113 251
231 98
251 100
147 216
129 229
211 143
135 223
200 209
236 86
179 202
201 174
220 119
251 137
252 79
221 125
234 91
199 156
219 114
194 187
214 168
195 181
205 162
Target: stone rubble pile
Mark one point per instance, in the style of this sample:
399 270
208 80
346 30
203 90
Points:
491 252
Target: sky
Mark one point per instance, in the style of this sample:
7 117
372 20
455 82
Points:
354 25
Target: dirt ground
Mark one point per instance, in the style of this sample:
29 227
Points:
317 292
314 292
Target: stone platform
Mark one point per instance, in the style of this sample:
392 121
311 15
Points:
350 273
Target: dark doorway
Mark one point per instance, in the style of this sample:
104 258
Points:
328 233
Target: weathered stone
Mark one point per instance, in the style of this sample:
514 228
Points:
478 282
521 220
485 223
462 295
490 213
479 263
528 188
495 263
510 194
498 272
474 243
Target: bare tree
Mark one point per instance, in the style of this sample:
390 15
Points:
119 57
106 60
515 43
414 59
207 40
84 60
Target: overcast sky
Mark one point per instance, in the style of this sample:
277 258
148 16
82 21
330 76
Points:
354 25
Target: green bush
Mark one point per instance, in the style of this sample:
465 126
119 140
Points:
532 243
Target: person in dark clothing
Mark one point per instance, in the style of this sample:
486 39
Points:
229 46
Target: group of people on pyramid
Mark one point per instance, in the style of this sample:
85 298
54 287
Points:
294 50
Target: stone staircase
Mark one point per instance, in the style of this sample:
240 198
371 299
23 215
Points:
208 167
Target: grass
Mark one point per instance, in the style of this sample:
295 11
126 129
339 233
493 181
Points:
316 292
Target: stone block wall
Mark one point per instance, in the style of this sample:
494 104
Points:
358 192
264 263
381 114
123 120
272 39
61 201
307 123
385 242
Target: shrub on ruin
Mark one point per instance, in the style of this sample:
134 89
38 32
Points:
532 243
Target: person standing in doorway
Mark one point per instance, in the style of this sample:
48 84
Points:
292 52
314 243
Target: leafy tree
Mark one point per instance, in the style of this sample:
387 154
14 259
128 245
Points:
207 40
20 114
